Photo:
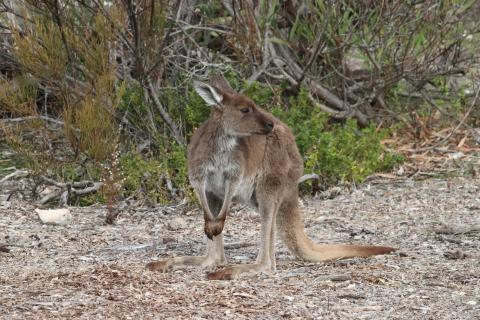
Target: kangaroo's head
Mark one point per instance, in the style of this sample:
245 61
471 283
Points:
239 115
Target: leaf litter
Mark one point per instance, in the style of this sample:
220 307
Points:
88 270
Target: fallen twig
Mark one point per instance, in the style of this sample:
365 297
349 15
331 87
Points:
448 239
455 255
335 277
458 230
21 119
310 176
129 248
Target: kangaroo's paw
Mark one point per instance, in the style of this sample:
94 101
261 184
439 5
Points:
213 227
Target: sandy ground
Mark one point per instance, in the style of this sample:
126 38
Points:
88 270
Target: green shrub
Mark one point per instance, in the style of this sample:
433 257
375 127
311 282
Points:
337 152
147 178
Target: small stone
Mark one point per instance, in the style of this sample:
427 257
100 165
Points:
177 224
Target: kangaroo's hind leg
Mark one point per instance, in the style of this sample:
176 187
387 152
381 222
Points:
268 207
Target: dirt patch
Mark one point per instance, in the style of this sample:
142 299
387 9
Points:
90 270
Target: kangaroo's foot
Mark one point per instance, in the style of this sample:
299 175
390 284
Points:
234 272
215 256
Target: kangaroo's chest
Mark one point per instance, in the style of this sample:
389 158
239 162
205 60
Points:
222 170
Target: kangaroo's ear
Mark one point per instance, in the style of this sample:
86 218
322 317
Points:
211 95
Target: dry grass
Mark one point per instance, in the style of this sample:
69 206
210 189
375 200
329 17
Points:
89 270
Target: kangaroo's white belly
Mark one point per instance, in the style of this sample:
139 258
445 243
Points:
223 169
217 180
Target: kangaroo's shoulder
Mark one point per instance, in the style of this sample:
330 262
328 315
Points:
282 157
281 134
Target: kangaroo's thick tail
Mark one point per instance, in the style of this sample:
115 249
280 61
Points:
291 230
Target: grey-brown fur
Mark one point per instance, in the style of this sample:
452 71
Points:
249 157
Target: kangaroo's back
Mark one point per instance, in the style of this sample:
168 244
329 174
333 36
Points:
282 158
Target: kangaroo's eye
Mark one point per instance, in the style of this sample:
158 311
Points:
245 110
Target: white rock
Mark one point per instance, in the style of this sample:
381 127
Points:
456 155
54 216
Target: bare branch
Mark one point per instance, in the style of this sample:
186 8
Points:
164 114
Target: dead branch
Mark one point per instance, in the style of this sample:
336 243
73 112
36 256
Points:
81 192
51 196
64 191
53 182
14 175
293 72
266 60
129 248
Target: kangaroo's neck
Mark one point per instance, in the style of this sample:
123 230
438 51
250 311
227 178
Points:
225 143
222 140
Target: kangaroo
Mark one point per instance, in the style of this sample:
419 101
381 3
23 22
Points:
244 154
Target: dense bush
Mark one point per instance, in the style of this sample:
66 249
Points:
339 152
156 179
102 89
